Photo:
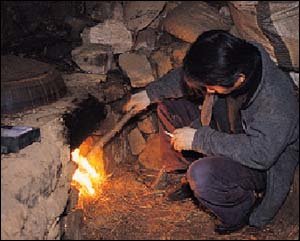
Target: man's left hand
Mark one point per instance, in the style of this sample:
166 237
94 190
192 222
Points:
183 138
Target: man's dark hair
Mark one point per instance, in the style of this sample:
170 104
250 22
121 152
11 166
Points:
218 58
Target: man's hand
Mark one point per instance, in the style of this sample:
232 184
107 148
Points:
137 102
183 138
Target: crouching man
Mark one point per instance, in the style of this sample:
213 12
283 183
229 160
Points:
247 131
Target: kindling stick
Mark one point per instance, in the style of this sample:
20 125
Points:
169 134
117 128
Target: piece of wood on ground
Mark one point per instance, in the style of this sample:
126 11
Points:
161 180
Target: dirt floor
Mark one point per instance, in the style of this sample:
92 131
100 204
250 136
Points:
130 209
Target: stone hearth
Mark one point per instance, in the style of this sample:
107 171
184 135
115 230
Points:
35 182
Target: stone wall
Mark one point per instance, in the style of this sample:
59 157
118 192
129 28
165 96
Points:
35 182
37 199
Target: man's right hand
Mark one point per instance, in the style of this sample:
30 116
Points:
137 102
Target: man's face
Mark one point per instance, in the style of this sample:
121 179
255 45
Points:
217 89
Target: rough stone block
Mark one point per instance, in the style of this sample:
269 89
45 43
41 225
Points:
146 39
114 88
93 58
148 125
103 10
151 157
139 14
162 62
83 83
179 53
136 141
200 18
137 68
117 151
35 182
72 224
111 32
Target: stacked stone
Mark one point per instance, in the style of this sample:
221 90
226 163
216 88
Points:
131 45
35 182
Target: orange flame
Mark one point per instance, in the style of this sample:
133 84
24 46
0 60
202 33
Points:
89 174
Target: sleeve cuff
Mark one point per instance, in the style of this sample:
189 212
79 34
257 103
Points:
200 140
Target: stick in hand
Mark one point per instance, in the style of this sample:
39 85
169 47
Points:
169 134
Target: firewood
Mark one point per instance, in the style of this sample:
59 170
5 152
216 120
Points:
161 180
102 141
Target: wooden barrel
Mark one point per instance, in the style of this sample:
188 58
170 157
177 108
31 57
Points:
28 83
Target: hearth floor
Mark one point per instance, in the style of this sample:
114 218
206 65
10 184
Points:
129 209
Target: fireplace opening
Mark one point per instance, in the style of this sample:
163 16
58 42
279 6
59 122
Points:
86 186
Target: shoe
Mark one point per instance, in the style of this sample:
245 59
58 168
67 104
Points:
182 193
227 228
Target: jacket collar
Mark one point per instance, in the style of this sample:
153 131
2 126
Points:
266 62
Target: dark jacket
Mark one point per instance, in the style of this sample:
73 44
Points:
270 141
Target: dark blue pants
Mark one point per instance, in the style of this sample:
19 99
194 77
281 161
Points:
225 187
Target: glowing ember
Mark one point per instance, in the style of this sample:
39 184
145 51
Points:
88 175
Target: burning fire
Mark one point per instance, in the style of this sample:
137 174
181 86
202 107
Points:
90 172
